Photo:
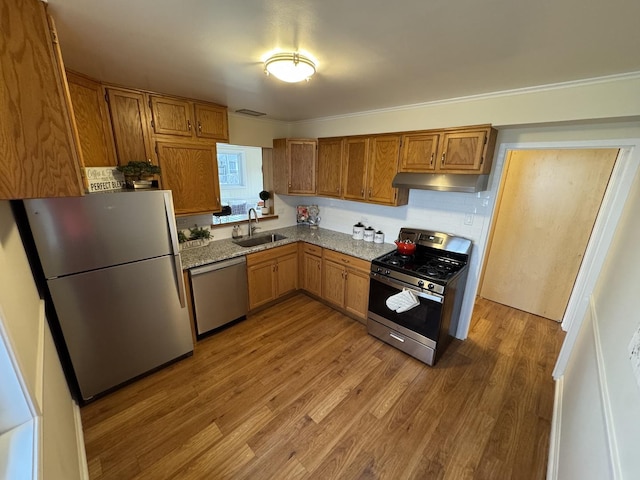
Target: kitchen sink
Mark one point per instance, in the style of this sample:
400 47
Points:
259 240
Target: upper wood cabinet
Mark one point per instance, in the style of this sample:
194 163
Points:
370 163
130 125
294 166
419 152
465 151
39 142
184 118
457 150
190 171
330 156
92 119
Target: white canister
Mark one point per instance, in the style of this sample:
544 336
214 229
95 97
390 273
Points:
358 231
378 237
369 234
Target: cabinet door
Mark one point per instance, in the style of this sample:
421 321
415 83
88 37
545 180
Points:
130 125
333 283
355 168
462 151
287 274
383 166
356 299
262 285
330 152
190 171
302 166
211 122
39 142
171 116
92 119
312 276
419 152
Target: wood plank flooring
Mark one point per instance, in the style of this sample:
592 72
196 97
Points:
300 391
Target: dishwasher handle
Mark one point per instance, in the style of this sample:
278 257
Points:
217 266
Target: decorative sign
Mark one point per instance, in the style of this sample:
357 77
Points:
102 179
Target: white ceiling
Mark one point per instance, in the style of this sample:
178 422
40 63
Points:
372 54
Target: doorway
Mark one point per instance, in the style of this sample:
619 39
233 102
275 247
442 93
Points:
545 212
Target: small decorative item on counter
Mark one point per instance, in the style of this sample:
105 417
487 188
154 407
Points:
264 196
236 232
198 237
378 237
314 222
369 233
358 231
139 174
307 214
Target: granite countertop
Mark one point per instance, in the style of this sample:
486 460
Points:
340 242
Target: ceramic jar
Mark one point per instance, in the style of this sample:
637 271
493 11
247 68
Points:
378 237
369 233
358 231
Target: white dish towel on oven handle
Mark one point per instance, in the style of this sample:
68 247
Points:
403 301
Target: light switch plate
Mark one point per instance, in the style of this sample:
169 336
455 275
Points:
634 354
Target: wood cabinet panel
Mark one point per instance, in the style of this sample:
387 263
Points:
39 145
333 290
383 166
357 293
345 283
287 273
419 152
311 269
294 166
271 274
330 155
92 119
356 160
211 122
130 125
262 288
462 150
171 116
190 171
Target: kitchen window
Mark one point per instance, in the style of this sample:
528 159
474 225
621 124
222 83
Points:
231 169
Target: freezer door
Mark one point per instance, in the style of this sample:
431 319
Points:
78 234
122 321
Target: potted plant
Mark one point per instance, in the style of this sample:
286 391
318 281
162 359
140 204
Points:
264 196
139 174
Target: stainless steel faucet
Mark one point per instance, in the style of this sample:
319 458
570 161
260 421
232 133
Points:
250 228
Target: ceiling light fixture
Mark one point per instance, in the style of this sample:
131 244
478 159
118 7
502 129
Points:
290 67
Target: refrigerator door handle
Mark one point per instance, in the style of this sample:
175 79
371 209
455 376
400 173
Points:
171 221
179 280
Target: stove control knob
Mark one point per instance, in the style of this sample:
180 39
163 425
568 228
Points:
388 272
431 286
380 270
420 283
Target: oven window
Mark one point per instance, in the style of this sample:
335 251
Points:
423 319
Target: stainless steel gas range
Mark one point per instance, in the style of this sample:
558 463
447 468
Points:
432 281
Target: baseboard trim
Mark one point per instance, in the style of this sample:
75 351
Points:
82 454
554 436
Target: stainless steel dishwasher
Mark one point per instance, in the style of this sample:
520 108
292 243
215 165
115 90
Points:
219 293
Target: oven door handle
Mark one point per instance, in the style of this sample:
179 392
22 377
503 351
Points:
401 285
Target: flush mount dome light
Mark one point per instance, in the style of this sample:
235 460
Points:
290 67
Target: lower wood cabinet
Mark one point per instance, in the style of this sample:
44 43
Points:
345 283
271 274
311 269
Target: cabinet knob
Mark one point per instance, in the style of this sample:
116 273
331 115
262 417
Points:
362 192
199 127
369 192
444 155
433 155
189 124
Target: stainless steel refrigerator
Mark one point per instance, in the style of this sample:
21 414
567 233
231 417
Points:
112 267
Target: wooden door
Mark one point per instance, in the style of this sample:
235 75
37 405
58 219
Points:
462 151
261 283
333 289
302 166
330 153
38 141
287 273
312 274
212 122
548 204
419 152
190 171
130 125
171 116
383 166
357 293
92 120
355 168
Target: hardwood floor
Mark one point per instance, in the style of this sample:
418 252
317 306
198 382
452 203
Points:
300 391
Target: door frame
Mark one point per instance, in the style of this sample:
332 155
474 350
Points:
624 171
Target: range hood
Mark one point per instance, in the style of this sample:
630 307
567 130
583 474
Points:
442 182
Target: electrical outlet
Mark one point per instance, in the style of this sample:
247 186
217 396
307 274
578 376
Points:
468 219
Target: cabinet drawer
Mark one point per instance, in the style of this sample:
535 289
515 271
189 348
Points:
312 249
347 260
271 254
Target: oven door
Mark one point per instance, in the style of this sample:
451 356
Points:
422 323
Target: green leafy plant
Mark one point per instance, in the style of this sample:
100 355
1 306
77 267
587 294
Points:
182 237
138 169
198 233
